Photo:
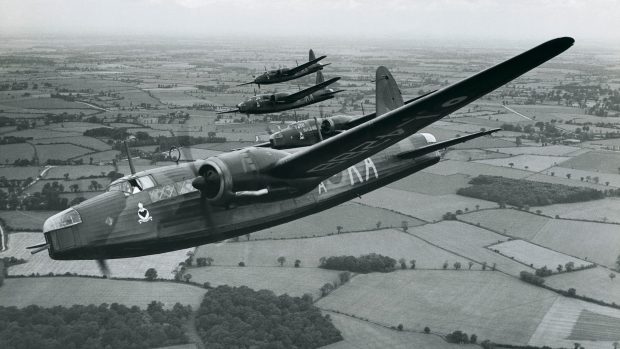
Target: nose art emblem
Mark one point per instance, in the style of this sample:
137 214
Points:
143 214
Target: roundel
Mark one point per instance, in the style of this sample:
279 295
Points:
454 101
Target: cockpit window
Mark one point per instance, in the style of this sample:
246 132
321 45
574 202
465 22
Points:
132 185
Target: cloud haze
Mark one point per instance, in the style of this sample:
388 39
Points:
480 19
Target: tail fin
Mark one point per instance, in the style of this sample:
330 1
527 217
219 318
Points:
319 77
388 96
311 56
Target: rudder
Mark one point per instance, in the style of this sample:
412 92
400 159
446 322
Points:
388 96
311 56
319 77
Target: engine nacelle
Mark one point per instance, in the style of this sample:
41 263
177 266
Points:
241 177
330 125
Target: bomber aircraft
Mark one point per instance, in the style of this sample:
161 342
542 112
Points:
277 102
286 74
310 131
242 191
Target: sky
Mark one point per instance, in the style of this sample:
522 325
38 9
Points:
528 20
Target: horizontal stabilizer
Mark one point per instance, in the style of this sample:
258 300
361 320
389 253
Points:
444 144
306 65
303 93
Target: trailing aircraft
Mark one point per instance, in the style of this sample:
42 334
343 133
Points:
287 74
307 132
242 191
277 102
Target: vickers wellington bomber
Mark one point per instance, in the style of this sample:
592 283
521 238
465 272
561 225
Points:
277 102
253 188
286 74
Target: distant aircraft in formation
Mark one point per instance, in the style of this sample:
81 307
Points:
277 102
242 191
287 74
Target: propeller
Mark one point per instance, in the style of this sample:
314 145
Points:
208 183
103 267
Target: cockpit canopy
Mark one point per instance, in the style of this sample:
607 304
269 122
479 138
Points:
132 185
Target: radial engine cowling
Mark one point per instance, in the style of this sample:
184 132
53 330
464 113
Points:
331 125
241 177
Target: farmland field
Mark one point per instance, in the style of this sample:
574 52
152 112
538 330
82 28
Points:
90 143
604 210
469 241
25 220
59 151
431 184
534 163
78 171
387 242
280 280
534 255
576 175
36 133
66 291
595 242
350 216
563 325
83 184
359 334
520 224
473 154
551 150
426 207
11 152
488 304
606 162
42 264
547 177
594 283
473 169
19 172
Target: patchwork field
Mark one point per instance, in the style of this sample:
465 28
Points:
11 152
426 207
90 143
350 216
550 150
520 224
25 220
473 169
550 176
594 283
294 281
595 242
577 175
535 163
607 162
66 291
469 241
59 151
431 184
359 334
605 210
570 320
83 184
387 242
534 255
42 264
473 154
78 171
489 304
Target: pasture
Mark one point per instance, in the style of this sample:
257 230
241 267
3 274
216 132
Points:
519 224
597 161
11 172
83 184
105 156
535 163
59 151
588 176
67 291
11 152
360 334
597 242
90 143
426 207
489 304
550 176
75 171
25 220
551 150
534 255
606 210
468 241
350 216
594 283
387 242
292 281
42 264
472 154
563 325
474 168
431 184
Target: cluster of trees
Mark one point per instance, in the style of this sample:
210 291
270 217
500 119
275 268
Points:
94 327
363 264
461 337
328 287
239 317
531 278
521 193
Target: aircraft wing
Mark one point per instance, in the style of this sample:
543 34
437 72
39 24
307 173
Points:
337 153
305 65
303 93
228 111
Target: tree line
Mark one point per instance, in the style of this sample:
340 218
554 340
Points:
363 264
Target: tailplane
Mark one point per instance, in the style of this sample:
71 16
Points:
388 96
319 77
